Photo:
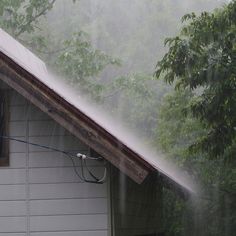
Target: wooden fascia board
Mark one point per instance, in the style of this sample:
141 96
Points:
74 120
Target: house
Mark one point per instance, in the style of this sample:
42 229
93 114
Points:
51 174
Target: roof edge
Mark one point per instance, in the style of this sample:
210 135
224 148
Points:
75 121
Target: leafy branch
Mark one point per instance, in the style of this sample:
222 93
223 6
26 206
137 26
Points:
33 18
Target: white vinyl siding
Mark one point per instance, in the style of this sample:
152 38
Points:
40 194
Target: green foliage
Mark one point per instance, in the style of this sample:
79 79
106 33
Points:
172 214
201 114
80 62
135 100
177 129
18 17
76 58
132 30
23 20
204 56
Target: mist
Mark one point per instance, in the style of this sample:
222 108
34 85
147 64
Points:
131 30
123 95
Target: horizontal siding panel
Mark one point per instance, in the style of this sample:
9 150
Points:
68 206
17 128
67 190
36 114
55 159
12 224
17 99
19 113
52 175
56 208
12 176
42 128
23 112
12 234
17 160
65 143
16 146
70 222
70 233
12 192
48 159
57 175
12 208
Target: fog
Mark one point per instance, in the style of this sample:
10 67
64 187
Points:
132 30
104 53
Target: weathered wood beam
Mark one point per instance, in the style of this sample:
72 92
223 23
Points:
74 121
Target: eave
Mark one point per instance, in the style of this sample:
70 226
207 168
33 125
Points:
75 121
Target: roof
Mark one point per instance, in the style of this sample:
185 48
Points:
27 74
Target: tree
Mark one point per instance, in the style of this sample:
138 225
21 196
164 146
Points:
80 63
200 114
20 16
135 100
176 130
75 58
202 58
21 19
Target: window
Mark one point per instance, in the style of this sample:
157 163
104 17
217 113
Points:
4 128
